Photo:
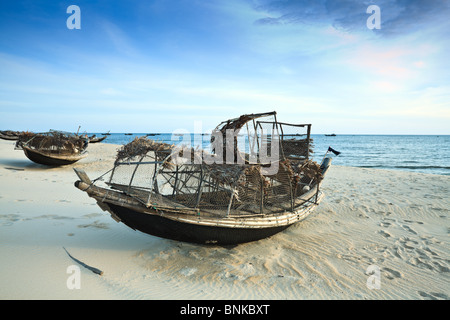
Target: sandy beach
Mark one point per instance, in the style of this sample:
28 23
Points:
370 220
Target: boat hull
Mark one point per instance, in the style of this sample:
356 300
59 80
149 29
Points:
49 161
190 227
181 223
162 227
96 140
8 137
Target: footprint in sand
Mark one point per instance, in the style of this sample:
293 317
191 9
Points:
92 215
421 263
432 196
96 224
385 224
433 295
392 274
63 200
438 209
407 228
53 217
440 268
9 219
412 221
429 251
384 233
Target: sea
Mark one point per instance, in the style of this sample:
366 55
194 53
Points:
416 153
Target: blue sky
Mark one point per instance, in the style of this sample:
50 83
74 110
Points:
158 66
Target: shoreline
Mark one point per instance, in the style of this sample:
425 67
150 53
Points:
394 220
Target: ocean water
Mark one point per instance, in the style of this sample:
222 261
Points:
417 153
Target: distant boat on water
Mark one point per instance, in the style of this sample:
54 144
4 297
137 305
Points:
95 139
331 135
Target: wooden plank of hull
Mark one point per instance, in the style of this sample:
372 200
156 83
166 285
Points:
50 160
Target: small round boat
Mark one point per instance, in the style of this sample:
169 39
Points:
53 148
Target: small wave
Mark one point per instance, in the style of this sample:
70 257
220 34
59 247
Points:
405 167
442 170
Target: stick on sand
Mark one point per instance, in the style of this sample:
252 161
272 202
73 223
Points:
94 270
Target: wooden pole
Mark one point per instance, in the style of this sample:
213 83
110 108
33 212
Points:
231 201
308 141
94 270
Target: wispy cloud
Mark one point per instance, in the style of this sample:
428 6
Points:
119 39
398 17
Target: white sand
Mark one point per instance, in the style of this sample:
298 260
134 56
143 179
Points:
396 221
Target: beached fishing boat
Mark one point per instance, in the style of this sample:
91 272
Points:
9 135
54 148
225 196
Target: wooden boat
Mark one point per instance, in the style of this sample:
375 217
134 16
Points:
53 148
9 135
201 199
51 159
95 139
